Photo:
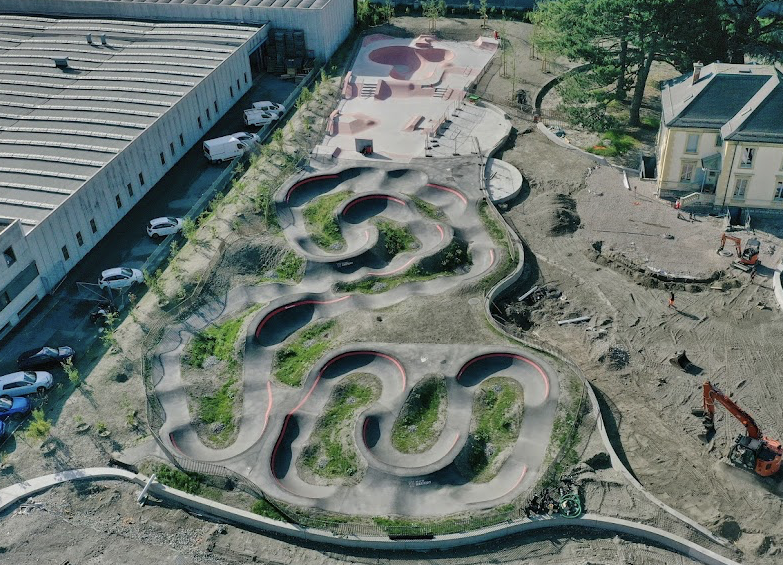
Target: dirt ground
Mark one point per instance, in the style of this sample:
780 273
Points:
106 526
647 401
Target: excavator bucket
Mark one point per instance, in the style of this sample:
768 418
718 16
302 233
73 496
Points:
681 361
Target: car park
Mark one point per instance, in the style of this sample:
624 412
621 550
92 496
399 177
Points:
22 383
161 227
44 357
14 406
120 277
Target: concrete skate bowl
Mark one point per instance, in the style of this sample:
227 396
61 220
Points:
411 63
307 188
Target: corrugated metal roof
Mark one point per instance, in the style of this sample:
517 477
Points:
58 127
301 4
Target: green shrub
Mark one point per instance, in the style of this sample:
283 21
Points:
39 427
191 483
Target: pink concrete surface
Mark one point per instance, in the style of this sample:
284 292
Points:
410 62
354 123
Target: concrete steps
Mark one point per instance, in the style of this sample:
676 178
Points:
368 89
440 92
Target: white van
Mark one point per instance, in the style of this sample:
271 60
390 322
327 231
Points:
229 146
254 117
277 110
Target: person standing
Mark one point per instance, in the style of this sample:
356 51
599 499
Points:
671 300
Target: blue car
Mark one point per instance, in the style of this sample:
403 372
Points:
13 406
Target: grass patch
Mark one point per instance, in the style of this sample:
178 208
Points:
219 408
650 122
216 340
415 430
496 232
263 508
322 222
294 360
620 144
376 285
396 238
191 483
565 434
497 417
329 454
427 209
290 267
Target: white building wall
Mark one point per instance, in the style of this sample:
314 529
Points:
96 198
762 177
675 151
324 28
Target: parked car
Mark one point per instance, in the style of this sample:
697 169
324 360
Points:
44 357
254 117
229 146
161 227
120 277
16 406
25 382
277 110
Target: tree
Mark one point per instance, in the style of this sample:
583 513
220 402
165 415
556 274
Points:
433 10
621 50
483 11
751 28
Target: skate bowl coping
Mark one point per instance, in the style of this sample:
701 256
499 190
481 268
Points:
410 62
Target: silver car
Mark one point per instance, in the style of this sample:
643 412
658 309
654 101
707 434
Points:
120 277
161 227
23 383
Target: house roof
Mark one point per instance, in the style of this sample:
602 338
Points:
745 102
720 93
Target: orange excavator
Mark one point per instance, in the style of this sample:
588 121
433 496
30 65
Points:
752 451
746 258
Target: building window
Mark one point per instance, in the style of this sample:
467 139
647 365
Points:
778 190
171 148
245 78
181 140
231 91
692 145
718 140
162 158
141 179
686 172
746 161
10 256
5 299
130 189
199 123
238 87
216 106
79 238
740 188
118 200
209 117
93 226
66 255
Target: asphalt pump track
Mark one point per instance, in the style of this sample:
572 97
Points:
277 420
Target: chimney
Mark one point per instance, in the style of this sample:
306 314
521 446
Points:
696 72
61 62
89 38
103 39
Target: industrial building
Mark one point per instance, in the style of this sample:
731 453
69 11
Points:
100 98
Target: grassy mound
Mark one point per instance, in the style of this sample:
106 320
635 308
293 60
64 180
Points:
294 360
422 417
396 238
322 222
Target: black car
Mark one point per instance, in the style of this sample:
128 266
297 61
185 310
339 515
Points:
44 357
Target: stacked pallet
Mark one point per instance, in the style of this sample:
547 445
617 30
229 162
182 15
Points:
286 53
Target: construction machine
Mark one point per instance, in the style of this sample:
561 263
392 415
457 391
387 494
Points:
746 258
752 451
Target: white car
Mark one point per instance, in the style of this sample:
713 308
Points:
25 382
120 277
161 227
277 110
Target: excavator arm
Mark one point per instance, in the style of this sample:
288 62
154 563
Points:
737 243
712 394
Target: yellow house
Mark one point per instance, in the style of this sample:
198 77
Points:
720 142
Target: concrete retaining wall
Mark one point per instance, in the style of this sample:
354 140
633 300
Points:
777 285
